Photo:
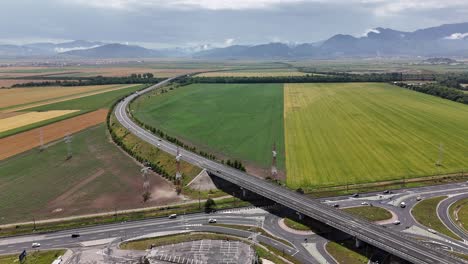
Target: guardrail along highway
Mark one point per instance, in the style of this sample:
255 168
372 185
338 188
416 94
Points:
392 242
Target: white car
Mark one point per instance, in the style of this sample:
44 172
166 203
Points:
419 198
364 203
396 222
172 216
35 245
432 231
212 221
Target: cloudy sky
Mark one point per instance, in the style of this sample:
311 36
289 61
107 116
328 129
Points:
168 23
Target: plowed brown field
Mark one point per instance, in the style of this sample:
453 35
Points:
19 143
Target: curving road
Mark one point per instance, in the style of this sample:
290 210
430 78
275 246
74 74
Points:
443 211
392 242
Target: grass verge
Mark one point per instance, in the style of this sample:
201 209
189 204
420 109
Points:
343 254
296 225
425 212
371 213
34 257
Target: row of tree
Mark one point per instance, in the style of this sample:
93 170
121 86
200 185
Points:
235 164
453 80
438 90
308 78
98 80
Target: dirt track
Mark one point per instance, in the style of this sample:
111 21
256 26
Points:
19 143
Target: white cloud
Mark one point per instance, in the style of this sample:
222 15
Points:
60 50
392 7
229 42
369 31
380 7
456 36
187 4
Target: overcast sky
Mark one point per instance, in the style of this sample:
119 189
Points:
167 23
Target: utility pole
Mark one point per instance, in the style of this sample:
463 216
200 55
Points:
68 141
178 177
41 140
274 170
199 198
441 155
144 173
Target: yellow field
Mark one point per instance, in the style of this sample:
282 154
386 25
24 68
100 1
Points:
339 133
253 74
30 118
21 96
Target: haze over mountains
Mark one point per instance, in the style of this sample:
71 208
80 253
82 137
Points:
445 40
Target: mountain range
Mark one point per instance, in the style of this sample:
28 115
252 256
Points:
445 40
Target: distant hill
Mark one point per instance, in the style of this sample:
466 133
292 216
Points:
115 51
450 40
445 40
45 48
436 61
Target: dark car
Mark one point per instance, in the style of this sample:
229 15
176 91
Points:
75 235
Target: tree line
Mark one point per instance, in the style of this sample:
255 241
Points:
328 77
453 80
439 90
98 80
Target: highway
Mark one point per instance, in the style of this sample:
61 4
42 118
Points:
393 242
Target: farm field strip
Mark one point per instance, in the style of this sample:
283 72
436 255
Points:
353 133
29 97
25 119
22 142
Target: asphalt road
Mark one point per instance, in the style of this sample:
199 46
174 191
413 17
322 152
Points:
104 234
392 242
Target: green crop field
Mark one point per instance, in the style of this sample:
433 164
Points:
98 177
364 132
239 120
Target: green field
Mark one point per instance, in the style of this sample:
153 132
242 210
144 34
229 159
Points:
366 132
238 120
31 182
